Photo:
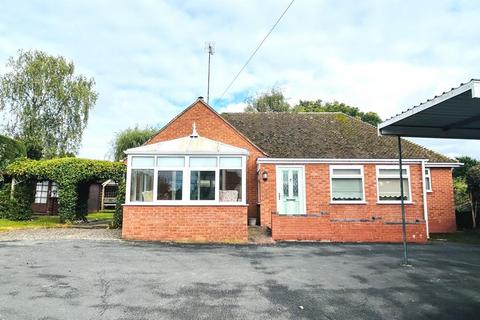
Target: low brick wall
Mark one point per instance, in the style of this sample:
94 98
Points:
185 223
324 228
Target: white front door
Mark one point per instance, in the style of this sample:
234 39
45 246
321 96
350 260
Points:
290 190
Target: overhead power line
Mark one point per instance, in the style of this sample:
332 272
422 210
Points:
258 47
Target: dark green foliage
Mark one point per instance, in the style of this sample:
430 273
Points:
18 206
130 138
274 101
118 215
82 202
10 150
47 103
473 185
468 162
270 101
68 173
335 106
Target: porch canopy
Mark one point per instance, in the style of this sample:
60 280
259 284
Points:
454 114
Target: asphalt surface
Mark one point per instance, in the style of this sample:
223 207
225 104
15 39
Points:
85 279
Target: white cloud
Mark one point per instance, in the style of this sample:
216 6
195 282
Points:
148 61
234 107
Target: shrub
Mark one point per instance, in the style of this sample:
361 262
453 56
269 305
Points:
68 173
118 215
16 207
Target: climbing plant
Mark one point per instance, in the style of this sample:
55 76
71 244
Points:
69 174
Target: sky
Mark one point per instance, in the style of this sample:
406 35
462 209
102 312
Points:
149 62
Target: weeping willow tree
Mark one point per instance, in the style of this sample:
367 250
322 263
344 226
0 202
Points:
45 104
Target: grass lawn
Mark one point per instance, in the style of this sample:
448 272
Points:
467 236
102 215
36 222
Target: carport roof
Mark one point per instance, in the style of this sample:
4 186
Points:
453 114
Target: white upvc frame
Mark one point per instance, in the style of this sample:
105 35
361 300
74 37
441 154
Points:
303 186
356 176
427 174
186 169
395 176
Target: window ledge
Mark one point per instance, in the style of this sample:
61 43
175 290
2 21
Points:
183 204
348 202
395 202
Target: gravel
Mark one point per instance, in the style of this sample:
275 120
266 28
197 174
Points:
61 234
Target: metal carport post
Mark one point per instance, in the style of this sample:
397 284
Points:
454 114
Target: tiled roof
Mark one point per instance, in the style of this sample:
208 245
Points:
323 135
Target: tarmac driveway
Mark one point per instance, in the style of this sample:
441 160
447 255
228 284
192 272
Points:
85 279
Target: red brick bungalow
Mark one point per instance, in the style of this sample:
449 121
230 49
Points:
307 176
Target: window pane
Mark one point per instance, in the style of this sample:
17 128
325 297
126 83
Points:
428 184
230 185
141 187
389 189
345 172
285 183
142 162
347 189
202 185
170 185
391 172
169 162
231 162
203 162
54 190
295 183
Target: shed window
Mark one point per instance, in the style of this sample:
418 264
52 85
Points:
347 183
41 192
389 184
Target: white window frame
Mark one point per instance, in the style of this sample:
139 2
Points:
186 169
356 176
397 176
428 174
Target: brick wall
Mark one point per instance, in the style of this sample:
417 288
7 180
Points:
185 223
343 222
440 202
324 228
211 126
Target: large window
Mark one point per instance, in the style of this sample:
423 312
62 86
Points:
388 181
428 180
347 184
186 179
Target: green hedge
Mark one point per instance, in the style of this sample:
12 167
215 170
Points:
69 174
17 207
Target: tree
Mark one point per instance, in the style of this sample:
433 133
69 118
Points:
270 101
319 106
473 187
45 104
130 138
468 162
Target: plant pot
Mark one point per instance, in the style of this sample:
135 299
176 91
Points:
252 221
